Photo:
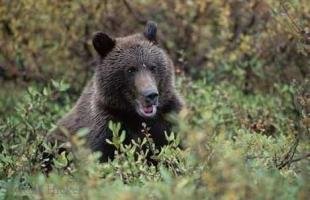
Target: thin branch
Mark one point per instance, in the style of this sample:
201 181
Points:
301 158
136 15
297 28
287 160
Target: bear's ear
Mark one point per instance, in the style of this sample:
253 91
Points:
103 43
150 31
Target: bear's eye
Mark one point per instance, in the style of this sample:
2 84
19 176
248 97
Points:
131 70
152 68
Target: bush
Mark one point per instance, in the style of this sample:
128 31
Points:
230 151
252 42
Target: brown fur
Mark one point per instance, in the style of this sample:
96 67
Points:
111 93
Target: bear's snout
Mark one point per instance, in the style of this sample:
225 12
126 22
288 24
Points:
146 105
151 96
147 100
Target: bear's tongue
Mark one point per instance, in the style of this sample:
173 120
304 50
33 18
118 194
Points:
148 109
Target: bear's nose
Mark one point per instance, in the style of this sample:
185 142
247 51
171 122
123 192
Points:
151 96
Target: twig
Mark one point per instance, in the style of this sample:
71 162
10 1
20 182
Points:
301 158
297 28
136 15
287 160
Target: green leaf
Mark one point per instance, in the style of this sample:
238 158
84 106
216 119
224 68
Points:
61 160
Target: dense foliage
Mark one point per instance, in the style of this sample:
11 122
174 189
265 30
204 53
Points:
249 41
235 146
242 68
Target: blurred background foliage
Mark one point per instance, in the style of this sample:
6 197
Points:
255 43
242 67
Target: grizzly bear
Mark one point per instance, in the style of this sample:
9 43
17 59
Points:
133 84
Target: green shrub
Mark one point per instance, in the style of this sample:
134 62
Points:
224 157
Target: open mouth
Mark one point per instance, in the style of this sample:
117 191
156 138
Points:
147 111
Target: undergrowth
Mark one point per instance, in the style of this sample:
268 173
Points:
235 146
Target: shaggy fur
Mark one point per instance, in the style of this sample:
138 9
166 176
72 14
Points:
112 92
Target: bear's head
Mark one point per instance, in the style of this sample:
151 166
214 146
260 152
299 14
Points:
134 74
